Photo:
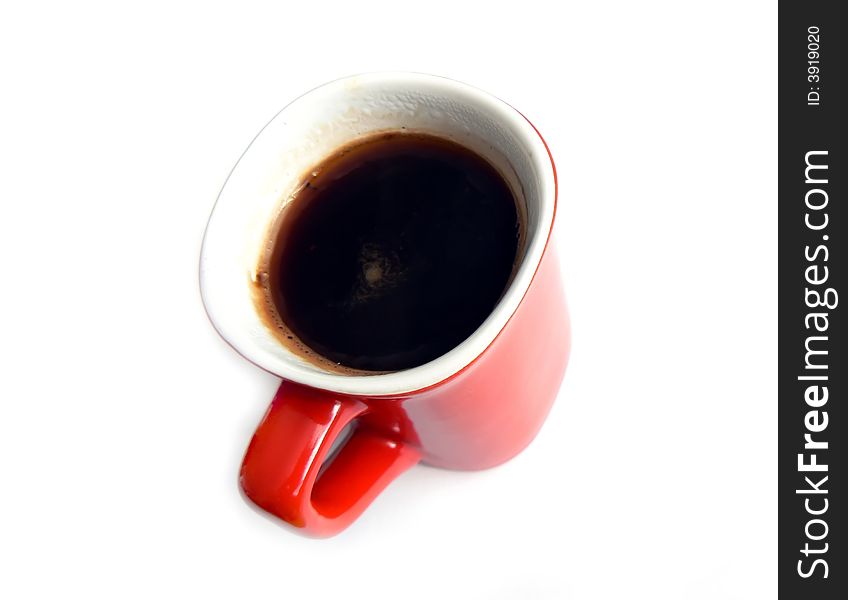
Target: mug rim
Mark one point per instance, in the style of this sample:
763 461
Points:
461 356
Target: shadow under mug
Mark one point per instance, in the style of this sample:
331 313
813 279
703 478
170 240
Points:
331 442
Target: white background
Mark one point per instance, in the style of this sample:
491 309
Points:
124 417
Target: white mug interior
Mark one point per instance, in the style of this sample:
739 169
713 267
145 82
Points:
309 130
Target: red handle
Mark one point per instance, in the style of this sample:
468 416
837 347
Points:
284 473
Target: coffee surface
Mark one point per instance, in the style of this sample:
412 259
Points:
393 252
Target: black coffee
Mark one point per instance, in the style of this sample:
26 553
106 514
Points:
393 252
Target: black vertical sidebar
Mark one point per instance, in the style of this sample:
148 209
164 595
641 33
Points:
812 301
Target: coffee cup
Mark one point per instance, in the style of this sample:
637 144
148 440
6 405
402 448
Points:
331 440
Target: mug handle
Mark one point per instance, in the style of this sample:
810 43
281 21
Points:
283 470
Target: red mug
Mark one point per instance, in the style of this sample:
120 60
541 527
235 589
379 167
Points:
331 442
